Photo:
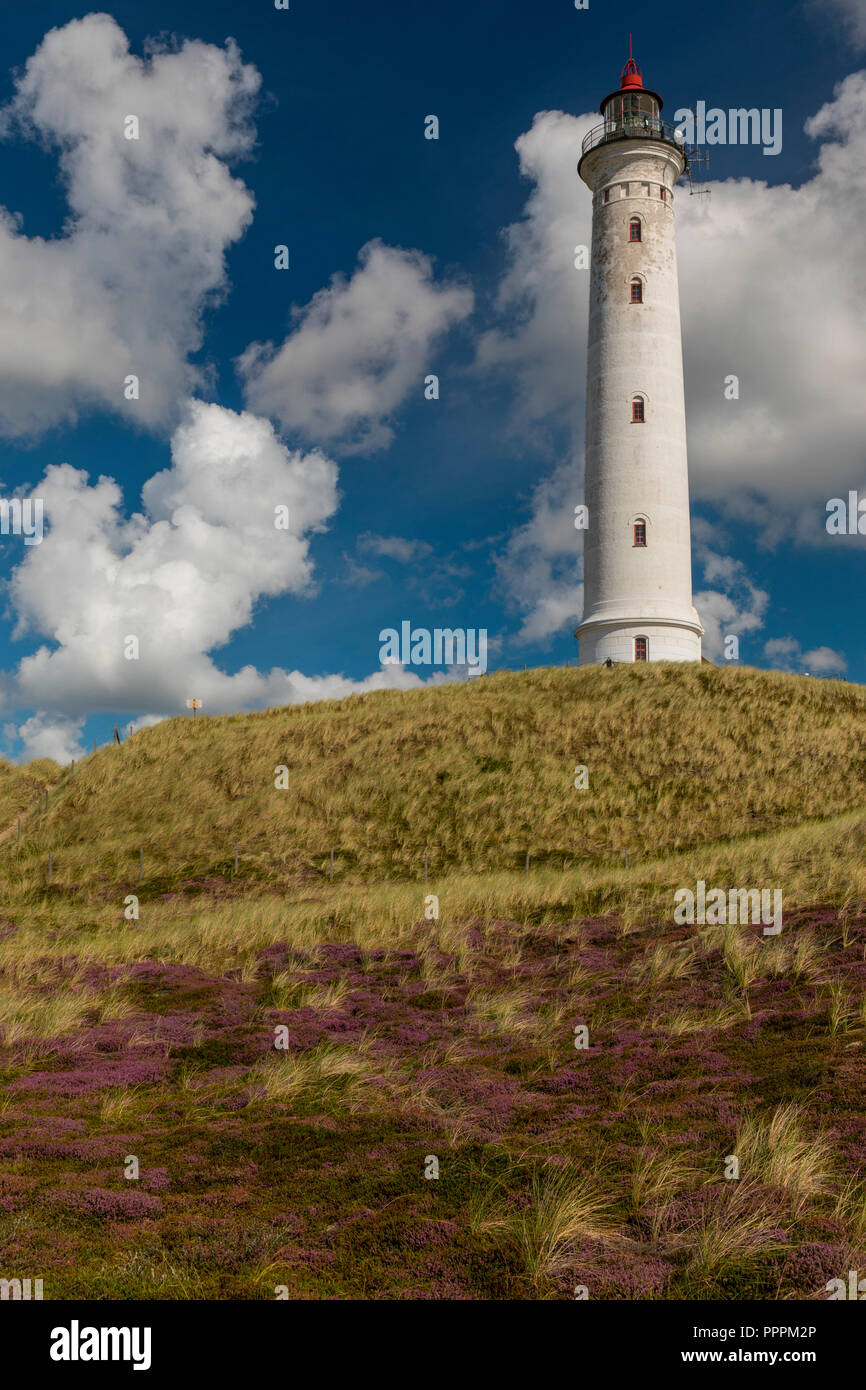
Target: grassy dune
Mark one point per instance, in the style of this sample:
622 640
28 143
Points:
477 774
21 787
153 1026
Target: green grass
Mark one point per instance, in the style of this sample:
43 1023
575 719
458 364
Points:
413 1036
477 775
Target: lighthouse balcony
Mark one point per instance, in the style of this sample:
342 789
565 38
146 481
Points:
634 127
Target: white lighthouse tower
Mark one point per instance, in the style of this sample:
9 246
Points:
637 555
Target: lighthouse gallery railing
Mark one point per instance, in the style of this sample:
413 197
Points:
634 128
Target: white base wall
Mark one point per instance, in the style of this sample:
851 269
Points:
664 643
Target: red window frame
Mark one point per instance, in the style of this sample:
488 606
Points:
637 412
640 533
640 649
636 292
634 229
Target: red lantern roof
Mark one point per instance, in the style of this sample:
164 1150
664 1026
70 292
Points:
630 77
631 80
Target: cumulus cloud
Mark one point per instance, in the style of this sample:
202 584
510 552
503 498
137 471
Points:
539 346
142 253
771 282
542 300
771 285
359 576
787 654
849 14
178 577
736 606
394 547
540 566
47 736
50 735
355 351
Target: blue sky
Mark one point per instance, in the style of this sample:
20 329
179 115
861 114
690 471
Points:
157 257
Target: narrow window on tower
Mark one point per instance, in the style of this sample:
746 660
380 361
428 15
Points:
637 410
636 291
664 194
640 649
607 195
640 533
634 229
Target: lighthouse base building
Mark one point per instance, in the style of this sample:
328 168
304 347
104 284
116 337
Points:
637 553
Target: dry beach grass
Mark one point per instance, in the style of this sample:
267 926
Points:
411 1037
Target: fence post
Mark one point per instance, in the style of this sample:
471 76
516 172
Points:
527 861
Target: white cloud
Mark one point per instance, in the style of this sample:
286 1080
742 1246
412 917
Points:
181 576
540 566
355 351
850 14
542 299
737 606
44 736
123 288
787 654
772 281
722 616
359 576
394 547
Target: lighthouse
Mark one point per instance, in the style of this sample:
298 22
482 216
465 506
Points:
637 553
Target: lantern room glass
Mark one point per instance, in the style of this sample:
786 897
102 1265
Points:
626 111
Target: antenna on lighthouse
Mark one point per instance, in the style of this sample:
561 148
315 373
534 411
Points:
698 163
631 74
